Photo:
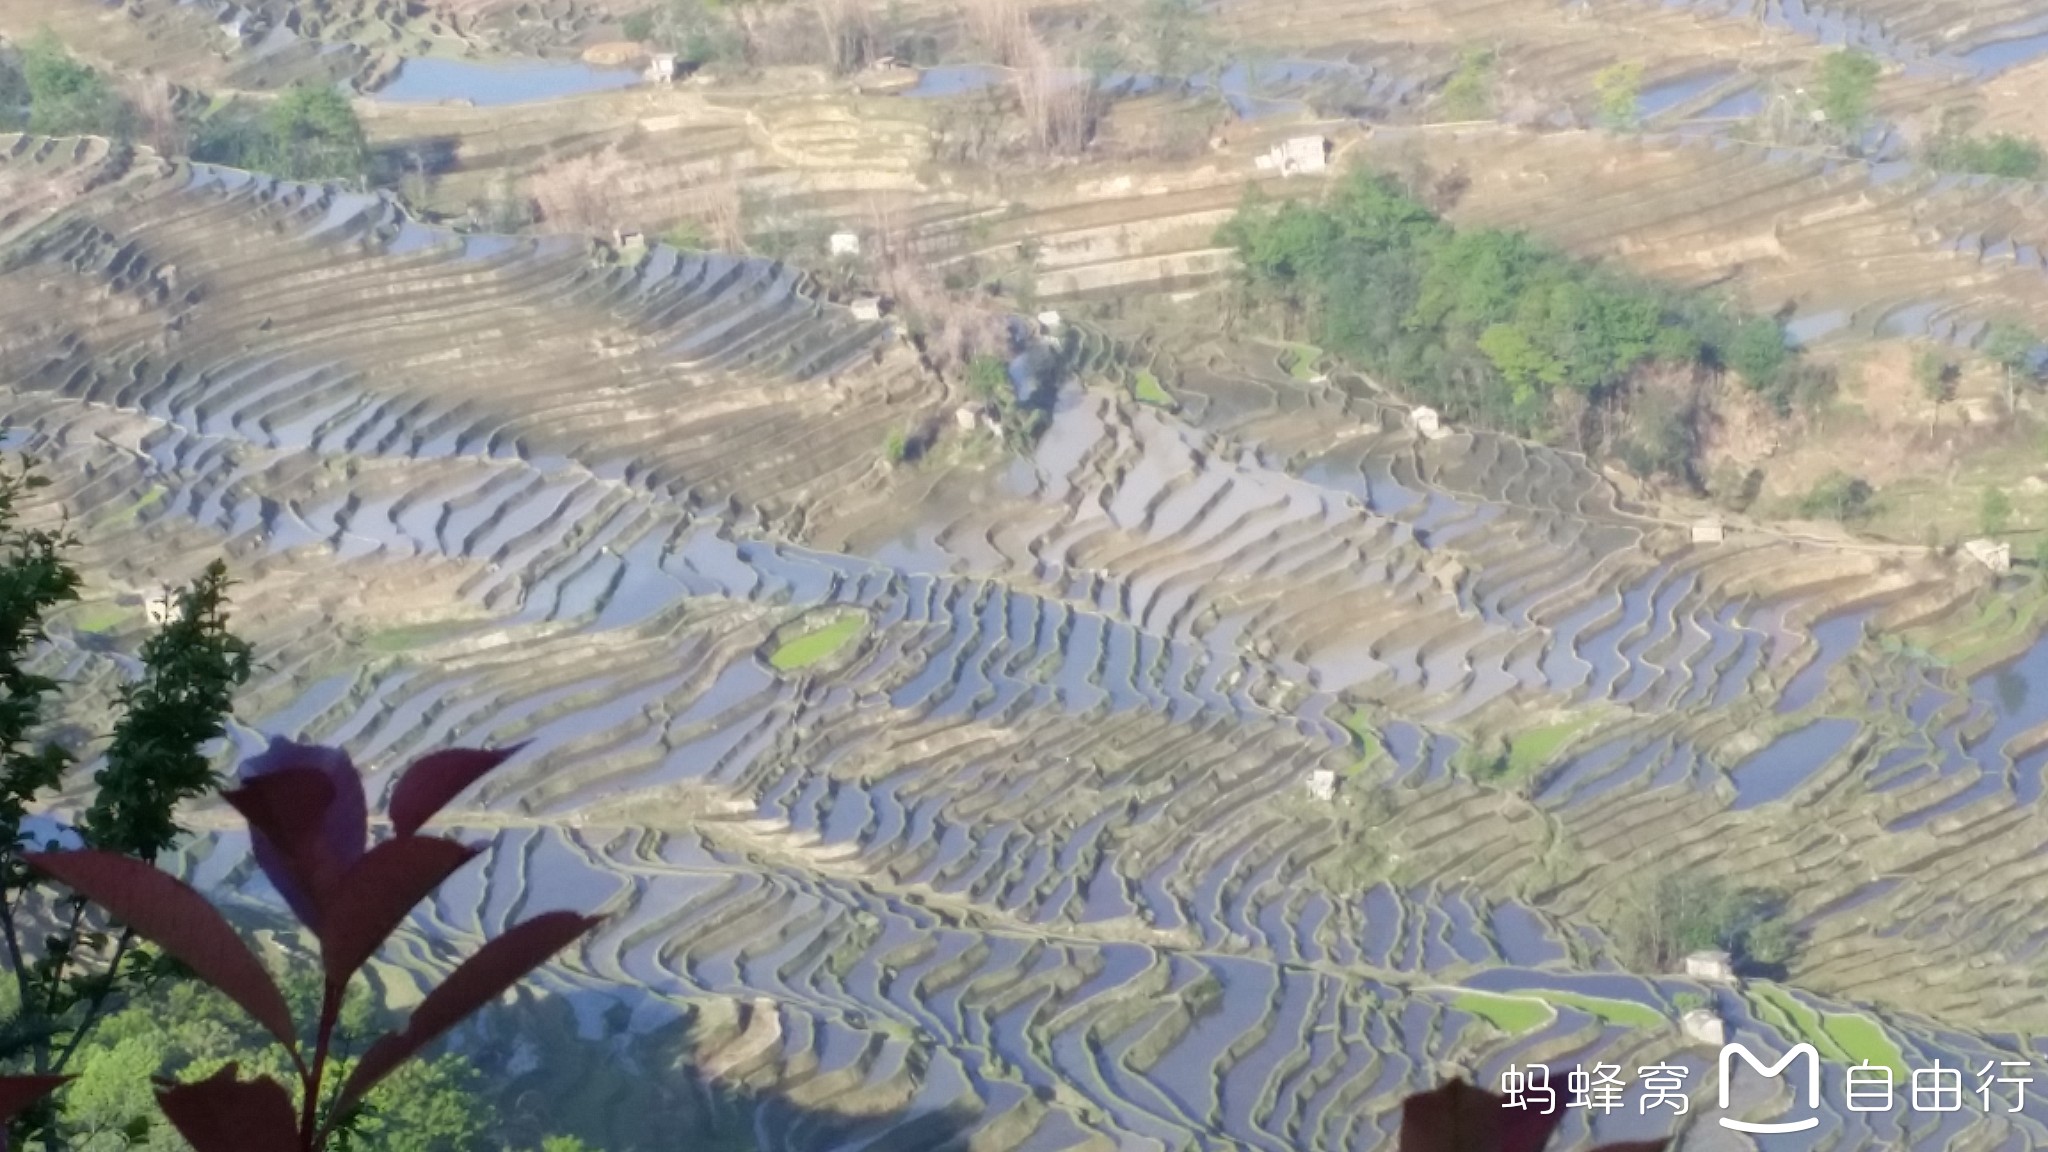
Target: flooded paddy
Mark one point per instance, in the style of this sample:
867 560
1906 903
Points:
1033 837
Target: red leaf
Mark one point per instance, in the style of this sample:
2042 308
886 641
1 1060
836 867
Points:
224 1114
372 898
18 1093
435 779
167 912
477 981
287 811
1460 1118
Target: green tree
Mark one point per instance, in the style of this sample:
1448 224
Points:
1936 374
67 97
2011 346
1994 512
153 763
1845 88
314 135
1173 36
1618 91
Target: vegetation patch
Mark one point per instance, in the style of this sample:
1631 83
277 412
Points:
1150 391
818 644
101 617
1537 747
1513 1015
1623 1013
1846 1037
1499 330
410 636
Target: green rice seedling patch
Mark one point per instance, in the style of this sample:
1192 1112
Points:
407 637
1513 1015
131 514
101 617
1150 391
1300 361
1865 1041
1623 1013
1845 1037
1530 750
817 644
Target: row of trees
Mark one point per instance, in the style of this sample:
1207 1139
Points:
310 132
1491 326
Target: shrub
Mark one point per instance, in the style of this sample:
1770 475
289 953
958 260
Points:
66 97
1845 87
1839 496
2000 154
314 135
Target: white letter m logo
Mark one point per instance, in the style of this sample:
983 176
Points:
1729 1051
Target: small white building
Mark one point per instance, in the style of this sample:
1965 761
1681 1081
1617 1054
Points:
1322 785
866 308
1715 966
845 244
1709 531
1991 554
1301 155
1049 321
1428 422
966 416
661 69
1704 1026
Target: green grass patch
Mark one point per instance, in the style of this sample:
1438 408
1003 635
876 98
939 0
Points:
1530 750
1150 391
1623 1013
101 617
1513 1015
1364 741
128 516
1844 1037
411 636
817 644
1300 361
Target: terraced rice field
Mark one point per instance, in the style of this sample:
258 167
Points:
1022 837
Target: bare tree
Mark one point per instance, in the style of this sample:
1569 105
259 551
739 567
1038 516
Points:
1001 27
1057 101
156 108
852 36
581 194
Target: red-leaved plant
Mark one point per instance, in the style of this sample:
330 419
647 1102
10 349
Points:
1460 1118
309 828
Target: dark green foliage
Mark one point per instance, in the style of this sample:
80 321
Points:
191 669
988 377
236 136
154 761
66 97
1839 496
14 97
314 135
188 1030
1844 89
1680 913
639 25
2000 154
1488 325
697 31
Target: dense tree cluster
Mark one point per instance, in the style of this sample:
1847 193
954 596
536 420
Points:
1493 327
1666 919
